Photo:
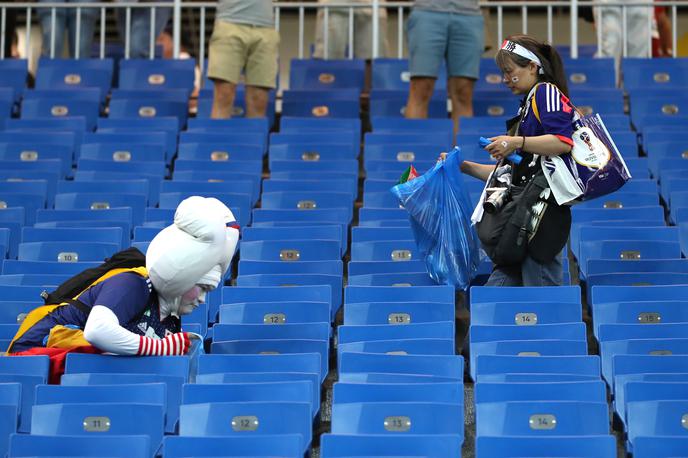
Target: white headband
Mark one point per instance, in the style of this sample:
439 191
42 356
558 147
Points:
523 52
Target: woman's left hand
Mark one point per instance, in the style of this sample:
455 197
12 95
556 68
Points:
502 146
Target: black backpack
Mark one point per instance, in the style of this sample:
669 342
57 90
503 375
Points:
125 259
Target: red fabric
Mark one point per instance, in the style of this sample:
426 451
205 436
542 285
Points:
173 344
566 140
57 358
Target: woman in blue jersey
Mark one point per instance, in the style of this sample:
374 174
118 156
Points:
137 311
542 127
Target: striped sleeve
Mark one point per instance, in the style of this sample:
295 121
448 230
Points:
555 112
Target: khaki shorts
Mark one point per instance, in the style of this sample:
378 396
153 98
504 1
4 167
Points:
236 47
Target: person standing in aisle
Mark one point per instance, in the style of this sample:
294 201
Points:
439 31
244 39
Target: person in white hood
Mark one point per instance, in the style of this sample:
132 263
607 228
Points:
137 312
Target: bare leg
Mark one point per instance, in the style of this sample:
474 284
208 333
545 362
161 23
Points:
256 101
223 99
420 92
461 95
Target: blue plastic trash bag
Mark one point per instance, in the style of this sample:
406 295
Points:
440 215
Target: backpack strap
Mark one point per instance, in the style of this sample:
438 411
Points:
37 314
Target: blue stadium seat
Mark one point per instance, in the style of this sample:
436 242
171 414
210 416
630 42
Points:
623 332
342 103
312 74
627 250
656 345
12 266
14 74
275 313
28 151
128 108
306 200
286 331
591 73
656 418
73 127
397 418
651 74
124 177
133 186
623 200
203 187
123 152
124 419
256 234
8 426
401 347
167 125
83 103
128 170
173 388
21 293
374 313
349 166
330 215
75 74
451 393
443 294
342 185
525 294
78 363
393 250
394 74
649 391
635 312
583 391
366 333
310 151
287 445
343 445
405 154
148 393
219 151
233 295
602 446
215 419
106 235
291 250
384 267
494 368
305 363
282 391
29 371
156 74
600 233
392 279
542 418
394 368
137 446
46 280
646 364
30 202
659 447
66 251
392 103
525 313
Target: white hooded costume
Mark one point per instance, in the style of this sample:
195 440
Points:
196 250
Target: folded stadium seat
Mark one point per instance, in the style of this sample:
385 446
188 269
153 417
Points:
450 393
602 446
404 154
237 295
44 103
66 251
202 187
259 234
590 73
498 368
253 168
210 135
654 73
168 125
626 250
292 250
392 125
489 103
392 250
38 234
343 445
216 368
383 214
401 347
330 215
98 201
542 418
157 74
119 445
334 281
491 77
296 124
581 391
306 200
29 371
263 445
618 363
4 241
392 103
392 279
669 148
27 128
395 167
393 74
602 294
129 186
634 391
371 333
589 233
13 266
612 215
660 134
8 425
313 151
259 125
516 340
337 186
275 312
386 367
340 103
443 294
130 169
653 107
48 169
378 313
397 418
645 345
75 74
315 135
120 217
28 151
659 446
627 368
303 267
638 166
525 294
369 234
124 419
312 74
216 419
124 151
601 102
525 313
634 312
13 219
148 393
300 391
29 201
220 151
656 418
600 266
384 267
637 278
128 108
28 187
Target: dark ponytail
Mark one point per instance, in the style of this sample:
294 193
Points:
552 64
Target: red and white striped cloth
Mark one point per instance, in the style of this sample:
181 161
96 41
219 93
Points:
173 344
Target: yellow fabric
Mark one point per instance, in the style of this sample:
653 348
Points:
533 104
64 337
37 314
